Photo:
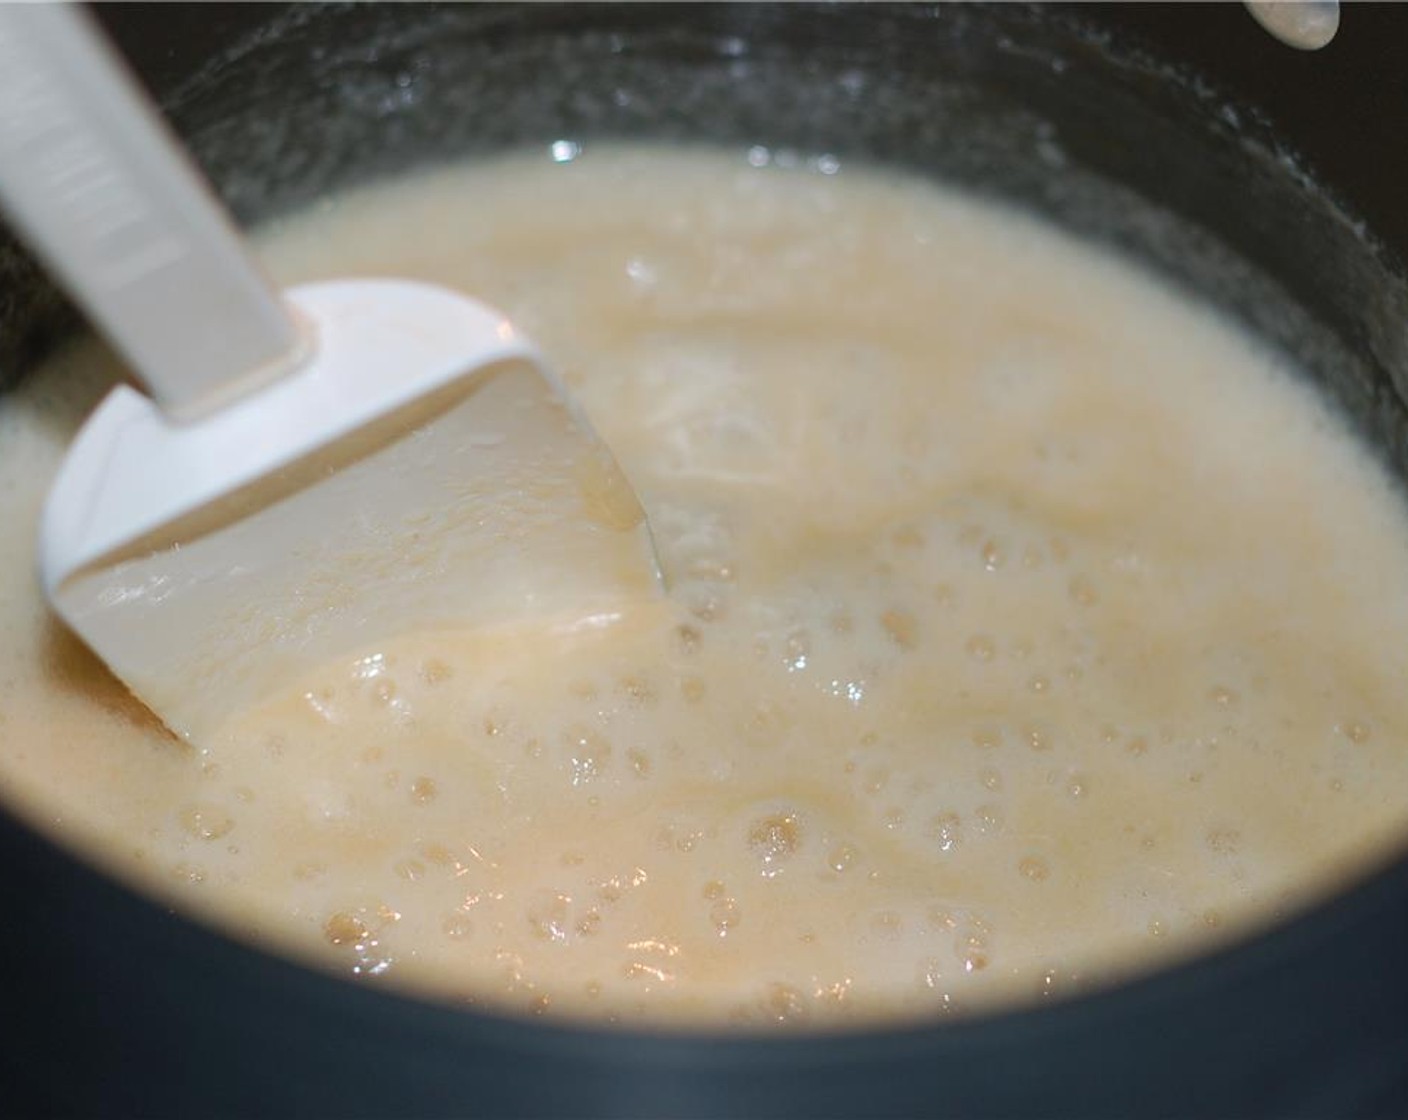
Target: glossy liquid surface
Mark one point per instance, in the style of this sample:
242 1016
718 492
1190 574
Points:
1028 625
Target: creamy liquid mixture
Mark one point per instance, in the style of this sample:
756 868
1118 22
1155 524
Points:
1028 625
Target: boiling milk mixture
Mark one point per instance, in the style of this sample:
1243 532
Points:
1028 624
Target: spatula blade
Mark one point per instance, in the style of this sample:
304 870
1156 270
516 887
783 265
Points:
478 496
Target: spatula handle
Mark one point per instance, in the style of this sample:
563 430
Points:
99 188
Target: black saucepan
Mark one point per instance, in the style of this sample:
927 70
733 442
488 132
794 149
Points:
1272 182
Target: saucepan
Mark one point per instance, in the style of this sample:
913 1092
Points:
1267 179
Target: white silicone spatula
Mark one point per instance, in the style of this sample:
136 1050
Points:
315 471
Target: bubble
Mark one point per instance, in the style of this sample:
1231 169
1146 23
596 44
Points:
589 923
971 945
590 754
1038 738
584 690
423 791
1039 684
1137 746
784 1003
774 839
435 672
725 915
901 628
640 763
1034 869
993 555
344 929
612 890
1223 696
207 822
841 857
907 537
941 918
929 973
1055 981
411 870
1077 786
548 915
947 830
714 888
637 689
438 854
323 703
1356 731
796 650
989 819
709 608
687 639
980 648
990 778
1082 591
188 873
1157 927
456 926
987 738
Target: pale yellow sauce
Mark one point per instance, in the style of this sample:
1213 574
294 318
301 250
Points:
1028 625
